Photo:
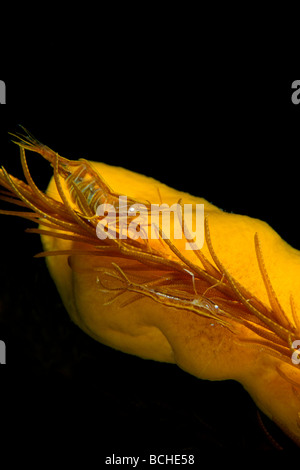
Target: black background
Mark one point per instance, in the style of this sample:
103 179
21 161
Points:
231 138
